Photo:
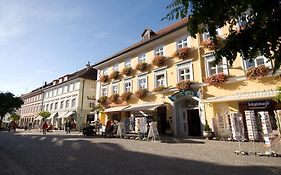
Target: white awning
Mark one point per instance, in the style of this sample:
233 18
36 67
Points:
62 114
51 116
144 107
116 109
69 113
254 95
39 117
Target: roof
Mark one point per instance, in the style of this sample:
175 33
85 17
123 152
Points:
254 95
163 32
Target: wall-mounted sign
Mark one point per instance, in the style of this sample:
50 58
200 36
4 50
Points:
258 104
183 93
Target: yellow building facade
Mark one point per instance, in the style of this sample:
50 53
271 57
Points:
180 111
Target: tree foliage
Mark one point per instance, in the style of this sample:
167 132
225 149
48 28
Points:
44 114
15 117
9 103
254 25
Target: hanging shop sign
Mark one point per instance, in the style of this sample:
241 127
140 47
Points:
258 104
183 93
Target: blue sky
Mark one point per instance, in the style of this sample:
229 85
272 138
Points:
41 40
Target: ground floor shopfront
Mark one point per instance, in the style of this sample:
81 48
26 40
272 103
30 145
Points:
249 116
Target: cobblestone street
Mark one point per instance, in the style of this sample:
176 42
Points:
57 153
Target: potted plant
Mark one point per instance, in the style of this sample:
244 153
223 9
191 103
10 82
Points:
255 72
128 71
114 98
159 61
216 79
126 96
184 85
114 75
159 88
103 100
142 66
207 132
141 93
210 44
182 53
104 78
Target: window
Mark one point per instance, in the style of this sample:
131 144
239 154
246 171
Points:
66 104
51 106
128 62
260 60
47 107
160 79
51 93
128 86
115 67
159 51
55 92
60 91
105 71
211 69
206 35
68 88
182 43
61 104
77 85
73 103
185 71
142 58
115 89
142 82
71 87
104 91
56 106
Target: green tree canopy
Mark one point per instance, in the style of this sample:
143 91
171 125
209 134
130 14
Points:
8 104
45 114
15 117
254 25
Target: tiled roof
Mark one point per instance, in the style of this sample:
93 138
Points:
245 96
160 33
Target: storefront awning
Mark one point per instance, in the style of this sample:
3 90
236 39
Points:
116 109
51 116
255 95
39 117
144 107
62 114
69 113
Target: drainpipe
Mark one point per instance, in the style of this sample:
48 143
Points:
82 98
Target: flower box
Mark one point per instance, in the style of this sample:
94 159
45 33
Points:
142 66
115 75
209 43
159 89
141 93
184 85
216 79
256 72
104 78
114 98
159 61
182 53
128 71
103 100
126 96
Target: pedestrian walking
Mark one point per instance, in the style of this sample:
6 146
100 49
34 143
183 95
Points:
44 128
67 127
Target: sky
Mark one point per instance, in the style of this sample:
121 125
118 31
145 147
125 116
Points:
42 40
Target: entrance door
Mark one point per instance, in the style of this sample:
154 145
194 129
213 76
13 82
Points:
194 123
184 123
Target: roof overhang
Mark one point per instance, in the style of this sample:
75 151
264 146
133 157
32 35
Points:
116 109
144 107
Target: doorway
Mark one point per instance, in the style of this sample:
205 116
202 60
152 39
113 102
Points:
190 122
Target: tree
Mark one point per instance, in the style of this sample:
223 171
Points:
15 117
254 26
8 104
44 114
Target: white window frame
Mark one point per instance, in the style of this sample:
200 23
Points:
206 35
127 62
163 72
67 104
141 78
183 42
131 87
104 93
115 67
211 58
56 105
105 71
266 62
184 65
73 103
142 58
159 51
113 88
61 104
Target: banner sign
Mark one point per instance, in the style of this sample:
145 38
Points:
182 93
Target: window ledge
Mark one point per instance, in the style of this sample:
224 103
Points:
160 68
142 73
129 77
115 81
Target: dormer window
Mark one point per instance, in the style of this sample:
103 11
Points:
115 67
147 34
